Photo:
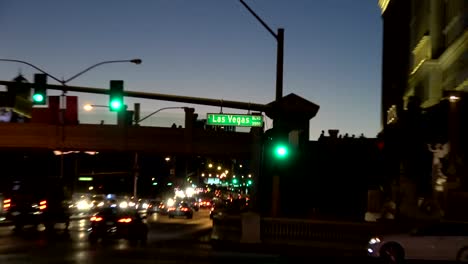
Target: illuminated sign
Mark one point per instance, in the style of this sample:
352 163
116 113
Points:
213 181
234 120
85 178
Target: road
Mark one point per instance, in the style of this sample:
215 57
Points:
169 241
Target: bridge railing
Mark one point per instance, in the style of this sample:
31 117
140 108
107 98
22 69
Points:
300 231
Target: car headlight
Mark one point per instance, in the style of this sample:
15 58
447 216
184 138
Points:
374 240
82 205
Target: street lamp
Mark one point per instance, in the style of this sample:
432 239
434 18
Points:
90 107
157 111
279 36
64 82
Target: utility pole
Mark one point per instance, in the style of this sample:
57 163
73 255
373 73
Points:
279 36
136 167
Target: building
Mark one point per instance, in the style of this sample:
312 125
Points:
425 63
395 59
425 52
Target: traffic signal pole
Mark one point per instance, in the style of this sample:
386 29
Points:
156 96
279 36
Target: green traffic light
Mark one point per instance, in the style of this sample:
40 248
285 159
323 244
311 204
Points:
249 182
38 98
234 181
116 105
281 151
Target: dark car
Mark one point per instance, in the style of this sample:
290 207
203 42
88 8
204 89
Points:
181 209
113 223
218 207
31 204
192 202
156 207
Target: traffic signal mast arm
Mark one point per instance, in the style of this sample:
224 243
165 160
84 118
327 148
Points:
156 96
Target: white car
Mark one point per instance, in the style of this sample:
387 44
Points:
439 241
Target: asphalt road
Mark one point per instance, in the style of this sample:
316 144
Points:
169 241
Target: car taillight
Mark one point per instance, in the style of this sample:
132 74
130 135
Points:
96 219
124 220
6 204
42 205
171 209
184 209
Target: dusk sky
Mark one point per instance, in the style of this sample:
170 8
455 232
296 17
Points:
205 48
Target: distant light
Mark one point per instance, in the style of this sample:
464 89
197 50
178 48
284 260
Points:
219 168
155 183
91 188
88 107
169 184
210 165
240 166
454 98
250 175
167 158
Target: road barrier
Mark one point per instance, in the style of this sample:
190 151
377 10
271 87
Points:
301 232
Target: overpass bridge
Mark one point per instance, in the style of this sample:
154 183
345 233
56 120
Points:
89 137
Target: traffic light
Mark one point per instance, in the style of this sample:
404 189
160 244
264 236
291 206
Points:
277 144
249 182
40 89
234 181
116 102
280 150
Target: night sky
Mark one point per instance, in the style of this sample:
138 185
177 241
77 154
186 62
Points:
206 48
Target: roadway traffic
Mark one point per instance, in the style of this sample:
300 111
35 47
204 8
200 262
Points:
170 240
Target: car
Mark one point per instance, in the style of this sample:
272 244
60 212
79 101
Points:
181 209
113 223
192 202
156 206
447 241
29 204
206 203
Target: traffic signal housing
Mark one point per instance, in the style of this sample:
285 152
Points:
116 102
40 89
277 145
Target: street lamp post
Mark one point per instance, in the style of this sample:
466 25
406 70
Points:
64 82
279 36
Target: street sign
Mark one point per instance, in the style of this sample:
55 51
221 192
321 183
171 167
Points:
85 179
234 120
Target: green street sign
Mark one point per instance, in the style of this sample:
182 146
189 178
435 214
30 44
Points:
234 120
85 178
